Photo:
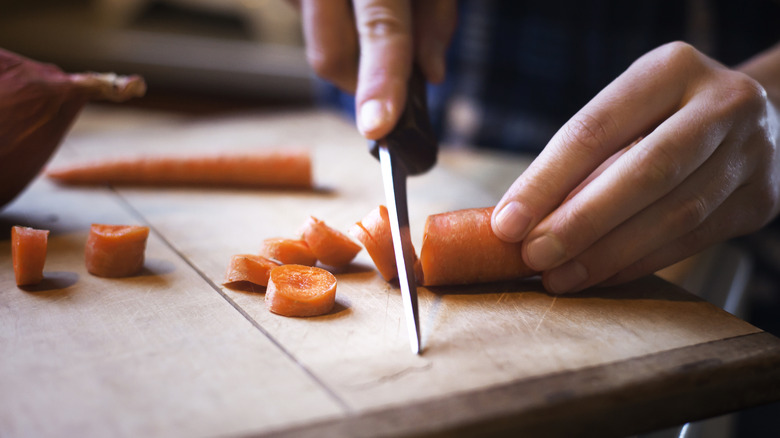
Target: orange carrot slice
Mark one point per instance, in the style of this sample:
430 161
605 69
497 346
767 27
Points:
297 290
281 168
288 251
459 247
250 268
28 252
115 250
330 246
373 231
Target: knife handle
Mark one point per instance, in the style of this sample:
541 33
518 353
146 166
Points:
412 138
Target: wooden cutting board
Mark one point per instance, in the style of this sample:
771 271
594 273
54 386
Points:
171 352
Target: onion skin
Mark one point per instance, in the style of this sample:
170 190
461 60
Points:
38 104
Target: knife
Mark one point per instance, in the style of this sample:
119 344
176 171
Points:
409 149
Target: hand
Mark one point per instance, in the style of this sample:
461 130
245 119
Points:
369 51
598 207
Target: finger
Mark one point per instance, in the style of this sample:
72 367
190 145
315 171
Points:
385 35
331 41
620 113
434 24
644 174
656 226
717 228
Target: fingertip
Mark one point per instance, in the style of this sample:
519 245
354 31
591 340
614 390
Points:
511 222
374 118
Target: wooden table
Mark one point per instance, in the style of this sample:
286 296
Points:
171 352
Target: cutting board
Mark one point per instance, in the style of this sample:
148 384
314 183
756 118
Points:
172 352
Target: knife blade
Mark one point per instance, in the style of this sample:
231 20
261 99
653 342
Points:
409 149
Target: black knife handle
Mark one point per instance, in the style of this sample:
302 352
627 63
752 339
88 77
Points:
412 139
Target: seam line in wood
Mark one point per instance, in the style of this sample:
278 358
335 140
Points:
331 393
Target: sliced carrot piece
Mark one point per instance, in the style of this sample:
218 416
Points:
373 231
250 268
288 251
459 247
115 250
330 246
279 168
28 252
297 290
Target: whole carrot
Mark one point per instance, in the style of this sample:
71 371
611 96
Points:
278 168
459 247
28 252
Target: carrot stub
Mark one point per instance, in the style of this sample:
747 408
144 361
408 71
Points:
250 268
297 290
459 247
28 252
330 246
115 250
288 251
278 168
373 231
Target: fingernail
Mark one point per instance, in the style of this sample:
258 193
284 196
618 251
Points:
545 252
512 222
373 114
567 277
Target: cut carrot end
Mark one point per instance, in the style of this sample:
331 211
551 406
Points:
250 268
330 246
289 251
297 290
115 250
374 233
28 252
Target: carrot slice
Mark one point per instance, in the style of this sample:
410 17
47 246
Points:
288 251
280 168
297 290
459 247
330 246
373 231
250 268
28 252
115 250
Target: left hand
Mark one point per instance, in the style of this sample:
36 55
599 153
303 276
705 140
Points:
597 207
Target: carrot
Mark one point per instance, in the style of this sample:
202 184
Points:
115 250
280 168
459 247
297 290
288 251
373 231
250 268
330 246
28 252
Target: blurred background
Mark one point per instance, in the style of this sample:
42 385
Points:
239 50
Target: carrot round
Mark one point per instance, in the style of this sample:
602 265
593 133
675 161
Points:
459 247
297 290
115 250
288 251
278 168
28 252
373 231
252 268
330 246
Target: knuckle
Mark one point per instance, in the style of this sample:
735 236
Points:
584 226
659 168
740 92
587 132
692 213
380 21
679 53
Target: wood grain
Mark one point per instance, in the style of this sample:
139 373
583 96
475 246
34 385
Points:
178 355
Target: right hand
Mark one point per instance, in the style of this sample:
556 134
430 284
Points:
368 48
